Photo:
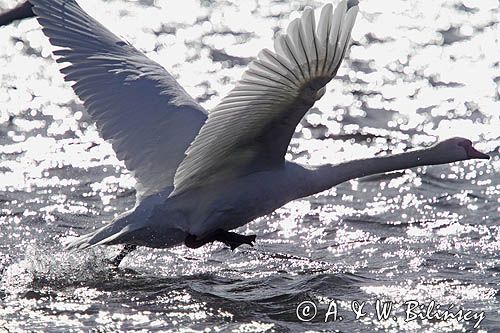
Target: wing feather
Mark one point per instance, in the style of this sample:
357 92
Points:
251 128
136 104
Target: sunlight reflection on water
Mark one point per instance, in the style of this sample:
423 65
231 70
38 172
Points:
418 72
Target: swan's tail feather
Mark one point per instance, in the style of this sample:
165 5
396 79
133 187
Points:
108 234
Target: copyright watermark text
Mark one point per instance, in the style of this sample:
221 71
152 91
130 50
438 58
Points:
387 310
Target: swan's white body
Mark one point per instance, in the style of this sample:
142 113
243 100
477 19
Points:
160 221
199 172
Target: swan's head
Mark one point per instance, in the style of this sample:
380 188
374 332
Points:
457 149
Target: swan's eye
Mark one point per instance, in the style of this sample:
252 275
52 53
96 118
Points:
465 143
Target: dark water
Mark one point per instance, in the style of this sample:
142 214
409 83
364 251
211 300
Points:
419 71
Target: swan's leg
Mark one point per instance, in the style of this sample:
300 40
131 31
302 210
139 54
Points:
192 242
231 239
123 253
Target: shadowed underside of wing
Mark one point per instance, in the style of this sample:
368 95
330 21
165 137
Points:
251 128
136 104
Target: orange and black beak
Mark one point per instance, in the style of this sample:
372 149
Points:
474 153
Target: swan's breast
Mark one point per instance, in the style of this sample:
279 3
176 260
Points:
233 204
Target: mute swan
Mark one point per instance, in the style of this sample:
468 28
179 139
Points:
202 174
20 12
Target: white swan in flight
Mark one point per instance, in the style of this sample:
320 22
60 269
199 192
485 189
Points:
200 174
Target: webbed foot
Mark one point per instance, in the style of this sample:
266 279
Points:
231 239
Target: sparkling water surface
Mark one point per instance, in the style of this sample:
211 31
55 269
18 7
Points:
418 72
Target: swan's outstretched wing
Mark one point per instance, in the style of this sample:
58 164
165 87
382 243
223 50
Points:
136 104
249 131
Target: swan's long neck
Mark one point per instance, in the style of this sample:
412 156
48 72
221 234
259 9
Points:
326 176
